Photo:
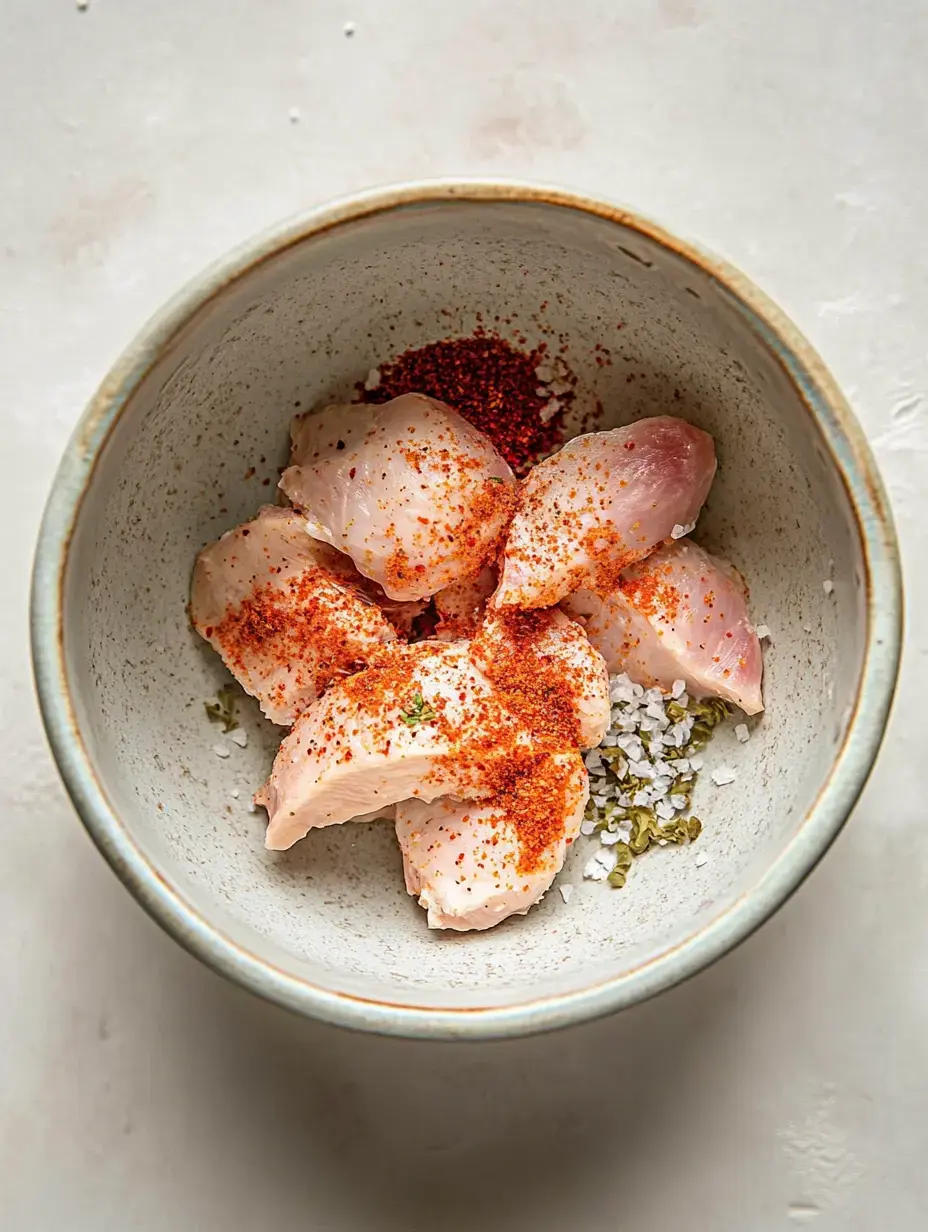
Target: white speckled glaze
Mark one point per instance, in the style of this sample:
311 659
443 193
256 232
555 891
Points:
162 462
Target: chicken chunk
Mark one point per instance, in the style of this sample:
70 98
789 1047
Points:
421 721
466 860
415 495
284 611
601 503
542 660
679 615
461 605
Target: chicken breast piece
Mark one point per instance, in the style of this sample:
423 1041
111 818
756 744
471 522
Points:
415 495
421 721
466 861
601 503
679 615
542 662
461 606
284 611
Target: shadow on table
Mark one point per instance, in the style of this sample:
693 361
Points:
469 1132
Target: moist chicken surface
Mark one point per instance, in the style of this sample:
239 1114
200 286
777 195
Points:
601 503
287 614
391 732
559 660
415 495
680 614
461 859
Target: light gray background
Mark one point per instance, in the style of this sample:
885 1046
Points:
784 1088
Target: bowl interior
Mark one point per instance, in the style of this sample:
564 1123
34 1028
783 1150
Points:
197 450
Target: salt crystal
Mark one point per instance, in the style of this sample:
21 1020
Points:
828 586
701 859
252 807
742 733
641 769
763 632
294 114
549 410
678 689
664 810
723 775
221 750
234 793
566 891
587 827
600 866
697 763
609 838
678 801
642 798
679 531
239 737
348 29
82 4
372 380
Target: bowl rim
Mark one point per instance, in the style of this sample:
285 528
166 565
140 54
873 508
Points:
848 450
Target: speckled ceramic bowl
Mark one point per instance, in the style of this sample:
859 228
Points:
184 440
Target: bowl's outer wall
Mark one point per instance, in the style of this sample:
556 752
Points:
161 464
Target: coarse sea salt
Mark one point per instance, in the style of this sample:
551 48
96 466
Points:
239 736
743 732
679 531
643 754
828 586
221 750
701 859
723 775
566 890
763 632
599 866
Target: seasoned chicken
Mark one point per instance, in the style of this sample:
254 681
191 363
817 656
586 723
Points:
679 615
601 503
415 495
439 718
543 662
461 605
468 861
287 614
421 721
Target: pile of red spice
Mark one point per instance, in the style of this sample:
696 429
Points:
493 385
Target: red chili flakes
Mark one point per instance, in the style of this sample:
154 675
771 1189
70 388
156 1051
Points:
488 381
652 595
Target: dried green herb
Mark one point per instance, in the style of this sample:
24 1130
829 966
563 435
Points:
496 479
623 862
222 710
419 711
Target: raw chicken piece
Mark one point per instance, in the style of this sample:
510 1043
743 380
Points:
415 495
460 607
287 614
421 721
601 503
679 615
548 657
465 860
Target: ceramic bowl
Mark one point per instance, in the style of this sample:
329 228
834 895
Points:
184 440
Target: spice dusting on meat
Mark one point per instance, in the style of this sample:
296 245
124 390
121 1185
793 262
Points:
497 646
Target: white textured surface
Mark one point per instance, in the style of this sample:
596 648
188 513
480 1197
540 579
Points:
139 1091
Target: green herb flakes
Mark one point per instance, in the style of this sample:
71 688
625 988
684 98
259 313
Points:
418 711
222 710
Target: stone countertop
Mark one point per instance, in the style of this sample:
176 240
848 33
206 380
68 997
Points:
787 1086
